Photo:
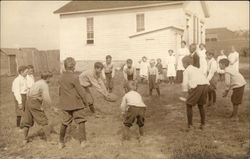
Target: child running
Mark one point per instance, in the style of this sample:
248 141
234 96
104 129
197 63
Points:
234 81
72 102
196 84
108 73
38 96
132 107
19 90
171 66
129 73
153 78
212 77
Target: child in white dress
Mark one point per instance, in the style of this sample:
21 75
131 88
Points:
203 60
171 66
144 69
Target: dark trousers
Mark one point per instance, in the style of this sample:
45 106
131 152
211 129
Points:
190 114
109 81
179 76
212 96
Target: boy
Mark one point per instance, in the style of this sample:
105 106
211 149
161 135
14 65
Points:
234 81
72 102
94 78
212 78
108 73
171 65
30 76
20 89
153 77
182 52
196 84
144 69
160 69
221 72
194 55
129 73
132 107
38 96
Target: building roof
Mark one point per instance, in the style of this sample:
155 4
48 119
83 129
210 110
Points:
93 6
216 30
15 51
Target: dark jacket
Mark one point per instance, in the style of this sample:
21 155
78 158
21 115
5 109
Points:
196 60
71 94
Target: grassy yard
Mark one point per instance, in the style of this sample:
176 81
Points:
165 129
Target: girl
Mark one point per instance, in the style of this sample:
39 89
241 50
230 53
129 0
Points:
153 77
171 65
144 69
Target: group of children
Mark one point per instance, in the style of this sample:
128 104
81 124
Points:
75 94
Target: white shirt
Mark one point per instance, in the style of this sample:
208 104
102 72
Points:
132 98
192 77
19 86
30 81
203 61
212 68
233 78
180 54
144 69
234 60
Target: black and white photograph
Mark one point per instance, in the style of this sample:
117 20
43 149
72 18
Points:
131 79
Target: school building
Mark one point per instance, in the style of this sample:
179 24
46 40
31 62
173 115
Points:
89 30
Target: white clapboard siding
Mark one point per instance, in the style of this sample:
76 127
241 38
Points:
112 31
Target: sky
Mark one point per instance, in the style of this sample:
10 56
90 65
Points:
33 24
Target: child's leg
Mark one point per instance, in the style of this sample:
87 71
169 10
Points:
214 96
82 132
47 129
150 91
158 91
209 94
189 115
141 131
62 133
25 133
125 135
235 111
202 114
18 121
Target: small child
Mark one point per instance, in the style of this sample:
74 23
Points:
72 102
132 107
144 69
153 77
160 69
129 73
38 96
20 89
196 84
108 73
212 77
221 72
234 81
30 76
171 66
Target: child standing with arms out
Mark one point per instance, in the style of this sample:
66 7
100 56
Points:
171 66
30 76
132 107
108 73
129 73
160 69
144 69
19 90
38 96
234 81
212 77
72 101
153 78
196 84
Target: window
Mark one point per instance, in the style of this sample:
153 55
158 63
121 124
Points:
90 30
213 39
207 39
140 22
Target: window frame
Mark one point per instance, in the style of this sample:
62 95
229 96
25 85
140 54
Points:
90 30
140 22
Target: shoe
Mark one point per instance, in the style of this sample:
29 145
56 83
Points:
202 127
61 145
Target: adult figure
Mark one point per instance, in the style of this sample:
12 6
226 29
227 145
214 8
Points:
182 52
203 60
